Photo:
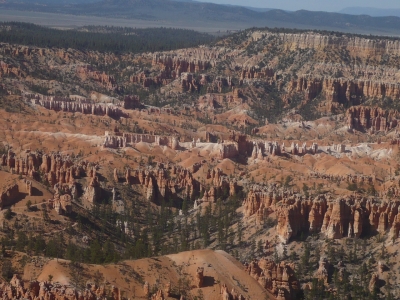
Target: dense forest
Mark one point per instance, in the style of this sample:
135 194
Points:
105 39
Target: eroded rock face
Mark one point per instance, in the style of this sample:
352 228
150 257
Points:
9 195
279 279
102 78
199 277
28 185
373 283
174 65
54 167
343 90
121 140
158 296
62 204
132 102
292 219
146 289
336 218
46 290
371 118
158 185
93 190
7 70
323 270
81 106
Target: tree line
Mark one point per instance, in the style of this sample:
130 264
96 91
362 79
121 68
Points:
104 39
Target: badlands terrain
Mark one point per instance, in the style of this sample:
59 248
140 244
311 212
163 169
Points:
264 165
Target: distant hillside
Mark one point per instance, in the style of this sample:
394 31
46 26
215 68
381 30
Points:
50 2
218 16
371 11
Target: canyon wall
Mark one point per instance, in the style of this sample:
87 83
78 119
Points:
360 46
349 216
371 118
343 90
106 81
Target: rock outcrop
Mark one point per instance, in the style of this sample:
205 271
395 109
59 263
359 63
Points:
343 90
336 218
373 283
157 185
84 107
92 191
46 290
8 70
375 119
174 66
323 271
132 102
106 81
279 279
199 281
9 195
360 46
122 140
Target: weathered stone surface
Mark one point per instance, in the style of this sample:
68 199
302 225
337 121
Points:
373 283
28 185
157 185
81 105
93 190
323 270
199 281
102 78
46 290
279 279
371 118
336 218
9 195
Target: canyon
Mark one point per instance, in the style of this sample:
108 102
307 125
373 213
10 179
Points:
277 149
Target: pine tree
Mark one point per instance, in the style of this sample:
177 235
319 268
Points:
240 232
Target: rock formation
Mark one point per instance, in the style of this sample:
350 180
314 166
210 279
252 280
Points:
8 70
323 270
121 140
336 218
62 204
84 107
46 290
93 190
371 118
174 66
9 195
157 185
131 102
279 279
199 281
158 296
146 289
373 283
28 185
106 81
